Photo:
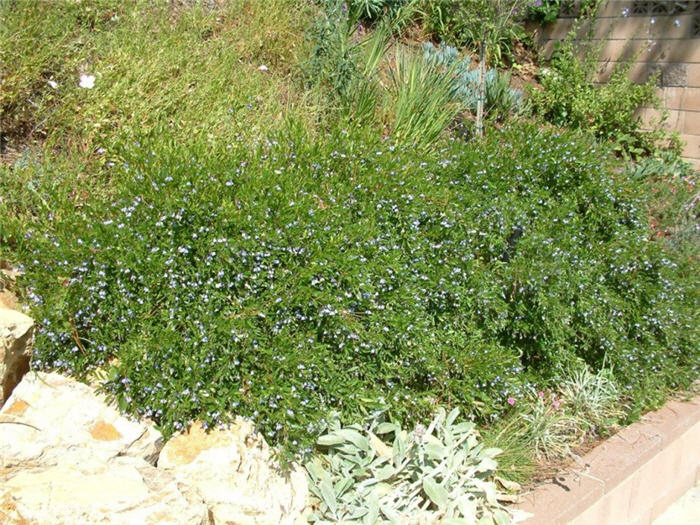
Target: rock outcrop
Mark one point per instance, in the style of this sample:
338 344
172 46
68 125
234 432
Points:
232 469
67 457
16 337
54 418
122 490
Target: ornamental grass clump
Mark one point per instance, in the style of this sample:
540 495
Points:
594 398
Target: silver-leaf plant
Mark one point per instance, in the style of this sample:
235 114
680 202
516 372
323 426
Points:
439 474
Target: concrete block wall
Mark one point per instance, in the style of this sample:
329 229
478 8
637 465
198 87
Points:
660 37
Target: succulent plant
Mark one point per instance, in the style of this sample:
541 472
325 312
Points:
501 99
438 474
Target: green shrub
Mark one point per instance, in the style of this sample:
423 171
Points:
548 11
462 23
374 9
308 275
674 203
571 97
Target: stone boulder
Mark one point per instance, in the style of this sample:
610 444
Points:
8 299
235 474
50 417
122 490
16 337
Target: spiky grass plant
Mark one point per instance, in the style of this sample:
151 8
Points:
423 99
593 398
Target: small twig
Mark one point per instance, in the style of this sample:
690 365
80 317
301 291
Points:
20 423
74 333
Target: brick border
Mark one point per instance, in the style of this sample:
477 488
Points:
631 478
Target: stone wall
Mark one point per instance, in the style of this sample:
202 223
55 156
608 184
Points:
659 36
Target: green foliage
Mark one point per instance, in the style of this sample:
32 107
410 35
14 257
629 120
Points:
571 97
469 22
547 11
582 406
594 398
373 9
439 474
200 232
191 69
424 102
308 274
549 428
501 100
674 204
416 103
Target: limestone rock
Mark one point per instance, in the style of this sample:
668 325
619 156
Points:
50 417
16 337
235 474
7 299
122 490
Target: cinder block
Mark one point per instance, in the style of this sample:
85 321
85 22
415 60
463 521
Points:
692 146
651 118
693 75
690 99
673 74
652 50
689 123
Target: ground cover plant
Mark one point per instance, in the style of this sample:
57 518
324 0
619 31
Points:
291 279
385 474
281 228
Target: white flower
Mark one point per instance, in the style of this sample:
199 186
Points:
87 81
52 83
263 67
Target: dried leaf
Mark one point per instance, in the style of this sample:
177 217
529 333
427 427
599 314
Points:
381 448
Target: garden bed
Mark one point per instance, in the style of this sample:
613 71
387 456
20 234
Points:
304 230
629 478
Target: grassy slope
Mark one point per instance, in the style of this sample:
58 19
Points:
192 69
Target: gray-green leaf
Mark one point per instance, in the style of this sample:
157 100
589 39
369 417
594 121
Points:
435 492
328 495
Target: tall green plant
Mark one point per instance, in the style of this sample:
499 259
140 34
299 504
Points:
424 99
345 59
